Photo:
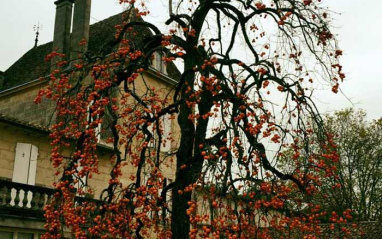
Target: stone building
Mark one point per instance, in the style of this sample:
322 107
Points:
26 173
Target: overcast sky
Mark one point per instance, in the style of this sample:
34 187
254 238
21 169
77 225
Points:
358 28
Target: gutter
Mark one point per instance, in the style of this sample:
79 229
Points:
40 129
23 86
151 71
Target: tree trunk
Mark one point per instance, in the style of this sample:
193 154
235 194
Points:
188 152
180 223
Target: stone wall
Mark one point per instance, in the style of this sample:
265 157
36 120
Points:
11 135
20 105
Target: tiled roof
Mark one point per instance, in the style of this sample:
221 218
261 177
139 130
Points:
17 122
31 65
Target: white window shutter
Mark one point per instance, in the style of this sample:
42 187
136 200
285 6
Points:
21 164
166 142
150 128
163 66
81 181
90 119
158 63
25 165
33 165
98 132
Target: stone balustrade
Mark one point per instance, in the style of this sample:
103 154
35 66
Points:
24 196
17 199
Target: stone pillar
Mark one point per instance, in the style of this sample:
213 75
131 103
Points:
62 24
80 32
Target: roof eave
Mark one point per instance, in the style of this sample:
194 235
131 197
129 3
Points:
152 71
21 87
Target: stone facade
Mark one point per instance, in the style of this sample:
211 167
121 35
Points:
22 121
19 104
26 124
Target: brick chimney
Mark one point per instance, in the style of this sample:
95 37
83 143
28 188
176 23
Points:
1 79
80 31
62 24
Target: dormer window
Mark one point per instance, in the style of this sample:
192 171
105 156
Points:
158 63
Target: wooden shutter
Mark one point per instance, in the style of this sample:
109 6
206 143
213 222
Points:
97 130
158 60
166 144
81 181
25 165
33 165
163 66
159 63
150 128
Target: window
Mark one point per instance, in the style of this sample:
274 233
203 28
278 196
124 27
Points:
152 130
91 119
81 181
166 137
166 199
19 235
22 235
6 235
166 181
158 63
24 170
165 125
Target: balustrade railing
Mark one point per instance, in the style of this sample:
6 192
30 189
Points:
19 199
18 196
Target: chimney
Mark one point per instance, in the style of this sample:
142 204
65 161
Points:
1 79
62 24
80 32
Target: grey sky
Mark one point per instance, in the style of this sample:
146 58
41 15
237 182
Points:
358 29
